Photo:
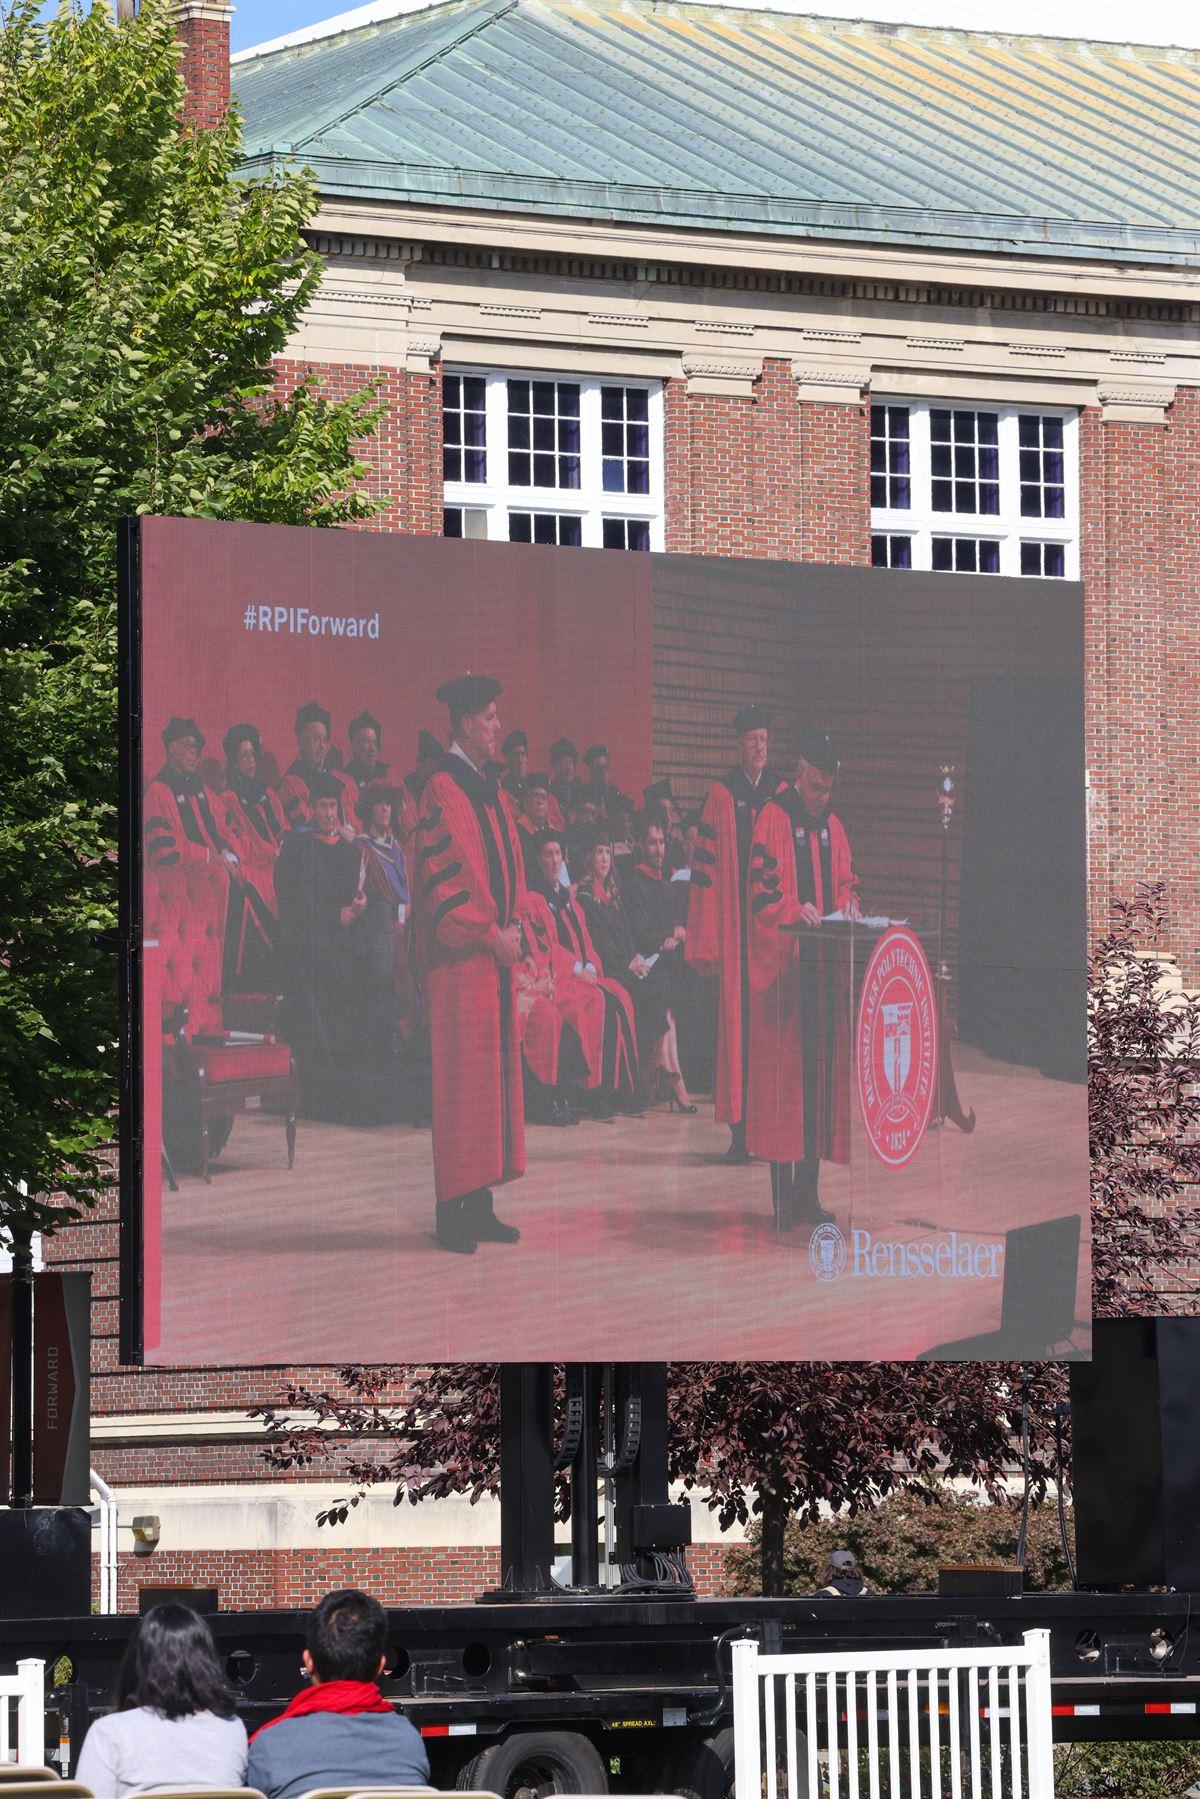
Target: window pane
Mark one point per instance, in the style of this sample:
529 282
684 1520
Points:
614 476
474 388
518 469
518 396
570 531
520 527
889 456
474 466
544 473
544 528
943 553
900 493
941 496
1054 560
452 521
451 464
613 533
879 488
568 471
639 477
989 558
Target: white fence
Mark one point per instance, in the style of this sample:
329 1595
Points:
894 1724
22 1715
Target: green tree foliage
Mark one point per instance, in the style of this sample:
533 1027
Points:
143 293
901 1543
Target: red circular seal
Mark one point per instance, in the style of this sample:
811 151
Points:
895 1051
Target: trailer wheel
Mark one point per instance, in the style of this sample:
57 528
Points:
706 1770
533 1763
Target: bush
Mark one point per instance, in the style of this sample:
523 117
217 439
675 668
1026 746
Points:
902 1542
1125 1770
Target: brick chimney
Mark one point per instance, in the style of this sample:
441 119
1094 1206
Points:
204 27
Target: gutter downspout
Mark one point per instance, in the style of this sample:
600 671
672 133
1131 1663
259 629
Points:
108 1542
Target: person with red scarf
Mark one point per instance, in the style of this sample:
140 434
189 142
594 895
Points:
717 940
798 1100
469 893
340 1731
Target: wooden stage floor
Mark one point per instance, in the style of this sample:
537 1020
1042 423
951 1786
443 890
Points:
637 1242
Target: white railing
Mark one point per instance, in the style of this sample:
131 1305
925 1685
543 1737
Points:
895 1724
23 1693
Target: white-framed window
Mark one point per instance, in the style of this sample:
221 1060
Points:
975 489
553 459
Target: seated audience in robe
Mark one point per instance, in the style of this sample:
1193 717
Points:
173 1713
564 761
659 940
296 787
339 1730
515 750
596 1003
535 816
601 789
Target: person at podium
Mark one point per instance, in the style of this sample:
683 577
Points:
798 1094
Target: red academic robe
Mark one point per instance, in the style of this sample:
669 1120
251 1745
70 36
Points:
258 826
799 999
296 795
716 923
186 823
469 883
600 1010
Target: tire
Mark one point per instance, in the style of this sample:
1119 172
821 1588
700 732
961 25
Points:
706 1770
533 1763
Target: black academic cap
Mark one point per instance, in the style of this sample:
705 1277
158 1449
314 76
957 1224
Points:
562 746
657 792
429 748
815 747
324 787
585 839
594 754
534 784
237 735
312 714
751 718
182 727
364 722
516 740
549 835
379 793
468 694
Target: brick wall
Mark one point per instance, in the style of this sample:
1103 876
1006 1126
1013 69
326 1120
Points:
1140 511
248 1580
205 70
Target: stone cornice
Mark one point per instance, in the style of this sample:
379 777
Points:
707 374
1131 403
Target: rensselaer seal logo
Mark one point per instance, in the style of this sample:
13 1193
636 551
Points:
827 1252
895 1050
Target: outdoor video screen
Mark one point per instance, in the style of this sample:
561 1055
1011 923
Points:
566 955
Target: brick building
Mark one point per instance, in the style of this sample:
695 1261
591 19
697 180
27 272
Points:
749 284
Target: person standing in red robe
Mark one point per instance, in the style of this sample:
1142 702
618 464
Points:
469 892
296 787
186 823
717 917
798 1096
254 810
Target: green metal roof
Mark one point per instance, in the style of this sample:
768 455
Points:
687 114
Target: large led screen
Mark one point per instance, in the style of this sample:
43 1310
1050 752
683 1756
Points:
567 955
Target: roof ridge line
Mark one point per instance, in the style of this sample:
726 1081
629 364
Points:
494 13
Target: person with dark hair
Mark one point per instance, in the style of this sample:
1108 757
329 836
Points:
254 810
340 1731
564 760
429 756
364 766
469 894
172 1716
718 920
324 971
602 790
296 787
186 824
515 750
842 1578
798 1093
597 1007
658 940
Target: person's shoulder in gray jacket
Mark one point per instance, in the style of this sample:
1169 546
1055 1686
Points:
340 1731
